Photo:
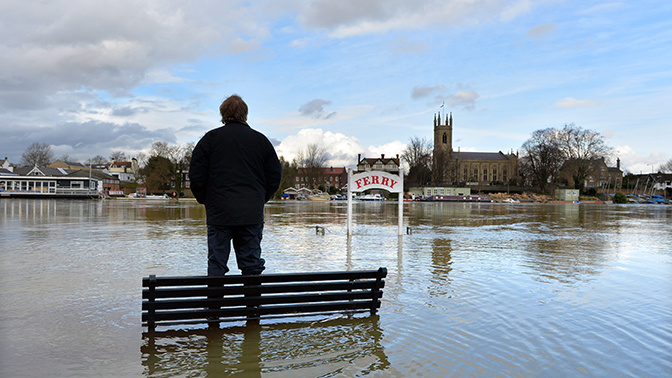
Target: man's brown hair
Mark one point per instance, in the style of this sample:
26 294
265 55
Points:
233 109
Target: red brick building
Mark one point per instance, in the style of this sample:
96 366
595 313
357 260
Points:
328 177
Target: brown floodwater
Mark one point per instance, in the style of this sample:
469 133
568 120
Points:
472 290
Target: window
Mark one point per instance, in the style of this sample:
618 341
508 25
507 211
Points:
445 138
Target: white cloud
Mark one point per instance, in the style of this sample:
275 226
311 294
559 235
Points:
570 102
633 162
342 150
541 31
348 18
465 98
424 91
315 109
161 76
405 46
70 45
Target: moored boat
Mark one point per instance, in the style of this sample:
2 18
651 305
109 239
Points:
372 197
468 198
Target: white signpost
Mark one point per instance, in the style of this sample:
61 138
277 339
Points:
376 180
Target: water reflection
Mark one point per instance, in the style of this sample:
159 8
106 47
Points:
476 289
336 346
441 267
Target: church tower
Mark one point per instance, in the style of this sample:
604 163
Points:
443 135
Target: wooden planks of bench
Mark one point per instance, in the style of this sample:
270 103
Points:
198 299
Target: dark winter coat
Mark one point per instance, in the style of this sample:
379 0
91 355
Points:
234 170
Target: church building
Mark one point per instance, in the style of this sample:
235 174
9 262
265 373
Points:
468 168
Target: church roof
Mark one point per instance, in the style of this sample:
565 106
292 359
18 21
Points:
479 156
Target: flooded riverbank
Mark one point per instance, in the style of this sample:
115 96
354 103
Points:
475 289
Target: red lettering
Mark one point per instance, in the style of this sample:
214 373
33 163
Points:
366 181
393 183
386 181
374 180
359 183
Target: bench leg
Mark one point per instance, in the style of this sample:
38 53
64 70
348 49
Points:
213 307
249 293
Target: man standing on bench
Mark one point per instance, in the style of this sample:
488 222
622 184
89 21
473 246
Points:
234 171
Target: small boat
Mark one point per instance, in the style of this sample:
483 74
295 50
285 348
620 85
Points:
338 197
511 200
319 197
372 197
468 198
148 197
658 199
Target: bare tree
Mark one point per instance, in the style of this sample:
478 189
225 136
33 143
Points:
666 167
289 171
418 156
312 160
162 149
542 158
180 156
37 154
97 160
118 156
417 152
581 149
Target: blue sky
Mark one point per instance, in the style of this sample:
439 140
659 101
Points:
356 77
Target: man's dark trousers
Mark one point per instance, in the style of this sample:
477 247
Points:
246 243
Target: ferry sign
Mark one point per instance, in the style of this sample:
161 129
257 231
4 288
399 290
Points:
375 180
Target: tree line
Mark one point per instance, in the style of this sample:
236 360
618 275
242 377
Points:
164 168
550 157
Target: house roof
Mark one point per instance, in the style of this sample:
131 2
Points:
74 164
69 163
373 161
97 174
326 171
42 171
122 164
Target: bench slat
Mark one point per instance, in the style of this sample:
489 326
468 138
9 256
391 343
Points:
272 277
261 311
202 291
261 300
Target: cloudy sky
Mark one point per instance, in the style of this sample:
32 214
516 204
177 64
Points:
356 77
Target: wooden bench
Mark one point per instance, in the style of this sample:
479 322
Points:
199 299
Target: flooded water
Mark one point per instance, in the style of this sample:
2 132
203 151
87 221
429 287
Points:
473 290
